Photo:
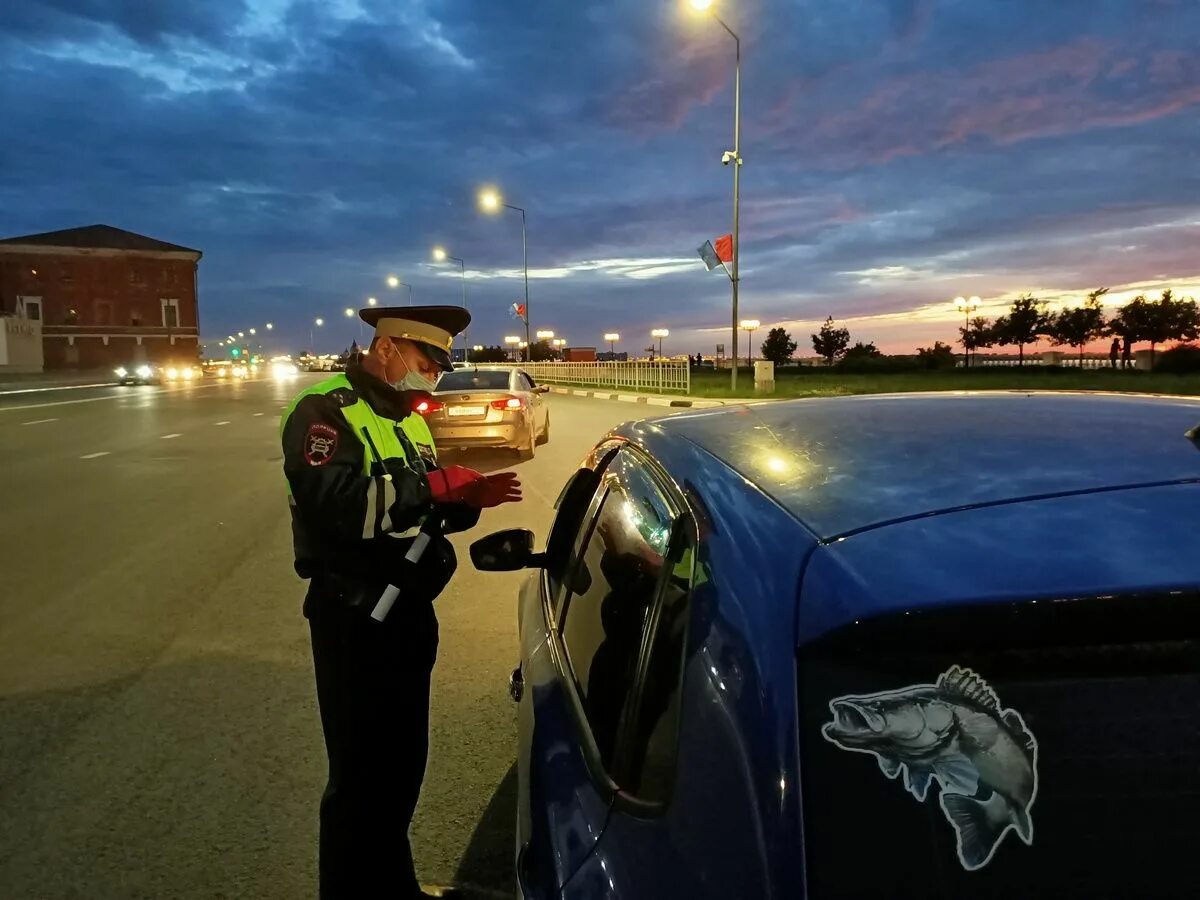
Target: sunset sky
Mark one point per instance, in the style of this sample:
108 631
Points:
898 152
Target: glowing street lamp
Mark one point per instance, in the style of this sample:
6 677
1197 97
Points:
394 281
252 331
513 342
269 326
660 333
545 335
966 306
749 326
612 337
371 301
318 322
734 156
241 334
440 255
491 202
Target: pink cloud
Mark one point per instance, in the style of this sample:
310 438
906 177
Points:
1062 90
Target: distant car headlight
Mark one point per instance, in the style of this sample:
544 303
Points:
144 371
220 373
172 373
189 373
120 372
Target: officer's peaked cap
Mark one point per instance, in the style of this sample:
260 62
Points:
433 327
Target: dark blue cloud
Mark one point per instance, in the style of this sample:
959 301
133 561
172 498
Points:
310 148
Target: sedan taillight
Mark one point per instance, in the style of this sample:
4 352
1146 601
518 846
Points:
425 407
510 403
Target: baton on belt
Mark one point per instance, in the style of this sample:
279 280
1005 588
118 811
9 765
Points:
415 551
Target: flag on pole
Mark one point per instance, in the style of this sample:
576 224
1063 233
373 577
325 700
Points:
518 311
709 255
724 248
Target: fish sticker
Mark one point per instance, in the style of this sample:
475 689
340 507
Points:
983 757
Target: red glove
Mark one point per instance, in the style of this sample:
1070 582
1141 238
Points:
492 490
446 485
458 484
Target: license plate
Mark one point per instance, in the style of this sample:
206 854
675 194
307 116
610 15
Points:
466 410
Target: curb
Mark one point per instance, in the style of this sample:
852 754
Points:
677 403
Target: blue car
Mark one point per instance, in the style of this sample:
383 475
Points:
898 646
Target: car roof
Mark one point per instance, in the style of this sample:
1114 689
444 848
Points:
848 464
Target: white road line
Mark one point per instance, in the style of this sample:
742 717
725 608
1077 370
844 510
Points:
39 421
257 414
167 437
226 422
122 393
60 387
94 455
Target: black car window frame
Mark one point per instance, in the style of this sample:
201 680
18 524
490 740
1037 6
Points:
592 470
605 781
684 540
525 383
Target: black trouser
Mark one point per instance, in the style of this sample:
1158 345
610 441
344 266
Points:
373 690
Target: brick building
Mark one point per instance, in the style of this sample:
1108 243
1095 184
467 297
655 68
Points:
104 297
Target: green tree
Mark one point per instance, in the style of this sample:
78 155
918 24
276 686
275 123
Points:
1168 319
541 351
939 356
1080 326
860 352
831 342
1024 324
975 334
488 355
778 347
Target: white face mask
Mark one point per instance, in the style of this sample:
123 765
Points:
414 381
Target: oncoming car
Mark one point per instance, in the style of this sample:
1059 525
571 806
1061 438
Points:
488 407
139 373
909 646
181 372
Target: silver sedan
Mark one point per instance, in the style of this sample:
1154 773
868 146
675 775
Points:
489 406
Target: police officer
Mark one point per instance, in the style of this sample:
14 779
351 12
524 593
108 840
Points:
365 489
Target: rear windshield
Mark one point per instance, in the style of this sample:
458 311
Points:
1032 753
471 380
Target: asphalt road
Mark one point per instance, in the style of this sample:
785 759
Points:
158 729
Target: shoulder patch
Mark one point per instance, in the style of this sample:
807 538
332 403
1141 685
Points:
320 441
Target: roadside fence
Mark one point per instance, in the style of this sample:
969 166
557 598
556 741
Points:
660 376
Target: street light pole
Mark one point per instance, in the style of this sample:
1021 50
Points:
491 202
440 254
966 307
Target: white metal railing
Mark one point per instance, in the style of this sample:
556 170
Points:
660 376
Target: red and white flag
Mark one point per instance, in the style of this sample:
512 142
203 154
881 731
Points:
724 247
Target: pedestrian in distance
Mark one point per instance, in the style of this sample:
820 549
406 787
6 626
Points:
1126 352
370 510
1114 351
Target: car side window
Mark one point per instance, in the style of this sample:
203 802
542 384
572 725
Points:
526 382
576 506
611 591
647 766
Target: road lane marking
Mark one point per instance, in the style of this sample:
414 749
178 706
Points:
257 414
58 387
226 422
95 455
119 395
39 421
167 437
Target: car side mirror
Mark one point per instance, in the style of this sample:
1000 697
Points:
506 551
